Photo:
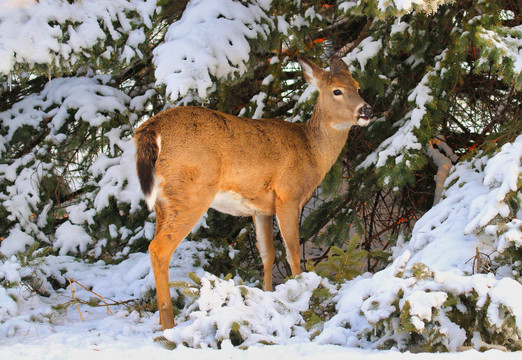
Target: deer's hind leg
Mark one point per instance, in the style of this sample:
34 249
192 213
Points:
175 218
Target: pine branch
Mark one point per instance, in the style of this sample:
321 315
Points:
363 35
20 90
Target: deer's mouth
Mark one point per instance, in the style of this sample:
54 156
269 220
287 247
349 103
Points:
363 120
365 112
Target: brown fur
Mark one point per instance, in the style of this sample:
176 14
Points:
267 167
146 158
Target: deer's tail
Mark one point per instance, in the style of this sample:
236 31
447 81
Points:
148 144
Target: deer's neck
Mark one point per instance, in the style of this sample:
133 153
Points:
326 142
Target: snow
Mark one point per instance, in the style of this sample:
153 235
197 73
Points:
80 214
442 242
271 316
109 344
512 236
476 196
259 100
117 175
211 40
509 45
404 139
23 196
399 27
71 238
367 49
92 101
407 5
56 33
282 25
30 327
88 96
422 304
15 242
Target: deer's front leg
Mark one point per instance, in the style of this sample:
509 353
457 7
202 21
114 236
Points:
287 214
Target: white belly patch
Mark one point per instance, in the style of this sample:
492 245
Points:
232 203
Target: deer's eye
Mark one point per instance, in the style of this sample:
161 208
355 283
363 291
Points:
337 92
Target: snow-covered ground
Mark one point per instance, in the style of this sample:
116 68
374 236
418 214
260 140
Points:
426 271
39 332
88 341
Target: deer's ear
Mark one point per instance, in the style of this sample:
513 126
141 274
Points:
338 67
313 74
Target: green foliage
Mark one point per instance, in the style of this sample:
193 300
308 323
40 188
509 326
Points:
190 289
233 248
341 265
510 258
405 324
117 232
422 272
466 312
33 275
322 308
169 345
463 319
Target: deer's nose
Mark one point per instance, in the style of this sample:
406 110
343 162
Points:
366 111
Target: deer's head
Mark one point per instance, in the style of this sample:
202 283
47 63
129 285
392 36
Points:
339 101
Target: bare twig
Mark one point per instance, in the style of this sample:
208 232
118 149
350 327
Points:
74 298
481 262
92 292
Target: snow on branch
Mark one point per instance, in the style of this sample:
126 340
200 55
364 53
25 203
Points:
434 265
22 197
477 193
501 176
210 40
257 316
402 300
90 98
506 41
404 139
51 112
117 175
405 6
367 49
57 32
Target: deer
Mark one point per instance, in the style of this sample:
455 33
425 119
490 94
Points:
191 158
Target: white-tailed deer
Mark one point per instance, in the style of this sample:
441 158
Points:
192 158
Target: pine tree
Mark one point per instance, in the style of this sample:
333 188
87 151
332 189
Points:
443 78
76 78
